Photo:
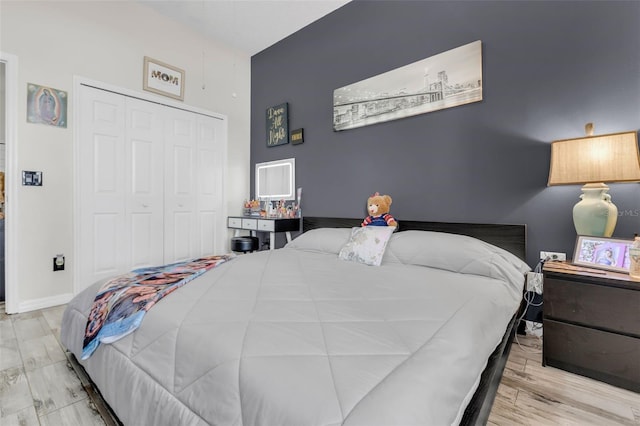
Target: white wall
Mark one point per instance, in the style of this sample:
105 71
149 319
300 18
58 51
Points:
104 41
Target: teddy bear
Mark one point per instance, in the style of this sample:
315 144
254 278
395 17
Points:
378 208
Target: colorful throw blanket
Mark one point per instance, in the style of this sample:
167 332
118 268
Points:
122 302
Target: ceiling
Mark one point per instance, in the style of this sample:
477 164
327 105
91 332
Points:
248 25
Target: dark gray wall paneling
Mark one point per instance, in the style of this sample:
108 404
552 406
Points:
548 68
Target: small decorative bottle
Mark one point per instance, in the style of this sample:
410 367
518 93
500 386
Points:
634 259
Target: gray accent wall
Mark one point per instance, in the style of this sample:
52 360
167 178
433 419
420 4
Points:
548 69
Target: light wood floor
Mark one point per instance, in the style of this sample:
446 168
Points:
38 386
530 394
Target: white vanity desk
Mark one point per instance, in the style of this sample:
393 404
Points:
255 224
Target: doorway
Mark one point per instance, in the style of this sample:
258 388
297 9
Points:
2 173
8 132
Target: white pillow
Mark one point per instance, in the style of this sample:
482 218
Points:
457 253
367 244
324 240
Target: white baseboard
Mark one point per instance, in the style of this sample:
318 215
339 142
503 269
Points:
45 302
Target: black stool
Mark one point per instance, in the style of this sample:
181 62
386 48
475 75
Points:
244 244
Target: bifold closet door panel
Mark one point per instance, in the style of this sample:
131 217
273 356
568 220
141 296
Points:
144 181
180 190
211 156
194 186
101 187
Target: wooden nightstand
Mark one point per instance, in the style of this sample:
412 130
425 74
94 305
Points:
591 324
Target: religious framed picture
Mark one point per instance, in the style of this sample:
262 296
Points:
611 254
163 79
46 105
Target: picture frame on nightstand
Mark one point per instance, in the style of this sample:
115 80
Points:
611 254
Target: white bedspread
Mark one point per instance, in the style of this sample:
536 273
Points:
298 337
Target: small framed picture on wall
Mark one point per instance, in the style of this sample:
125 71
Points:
46 105
277 121
163 79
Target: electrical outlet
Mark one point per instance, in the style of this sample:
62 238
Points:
552 255
58 263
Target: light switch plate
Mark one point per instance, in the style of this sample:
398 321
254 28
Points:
30 178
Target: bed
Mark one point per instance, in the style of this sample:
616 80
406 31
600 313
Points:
311 335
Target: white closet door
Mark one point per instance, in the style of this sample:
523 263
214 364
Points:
101 193
180 220
144 145
150 185
211 156
194 191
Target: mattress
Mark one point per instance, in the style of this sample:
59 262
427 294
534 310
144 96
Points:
299 336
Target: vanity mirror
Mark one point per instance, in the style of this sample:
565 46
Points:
276 180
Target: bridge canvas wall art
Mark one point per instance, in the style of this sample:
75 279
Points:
445 80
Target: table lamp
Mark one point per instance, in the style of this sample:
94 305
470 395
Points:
593 161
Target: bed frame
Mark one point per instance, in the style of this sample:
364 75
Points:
509 237
512 238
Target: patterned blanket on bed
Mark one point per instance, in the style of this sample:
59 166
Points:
122 302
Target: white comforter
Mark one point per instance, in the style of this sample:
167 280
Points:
298 337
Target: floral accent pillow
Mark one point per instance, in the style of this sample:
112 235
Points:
366 244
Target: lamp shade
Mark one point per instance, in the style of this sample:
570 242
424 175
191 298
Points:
593 159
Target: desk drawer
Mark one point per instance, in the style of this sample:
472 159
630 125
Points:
604 307
266 225
250 224
234 222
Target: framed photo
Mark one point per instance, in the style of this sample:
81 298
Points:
278 125
602 253
46 105
163 79
445 80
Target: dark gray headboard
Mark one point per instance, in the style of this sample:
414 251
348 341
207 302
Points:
512 238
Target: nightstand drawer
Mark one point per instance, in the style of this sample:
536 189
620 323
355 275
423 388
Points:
609 308
608 357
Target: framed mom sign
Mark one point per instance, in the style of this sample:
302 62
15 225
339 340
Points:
163 79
